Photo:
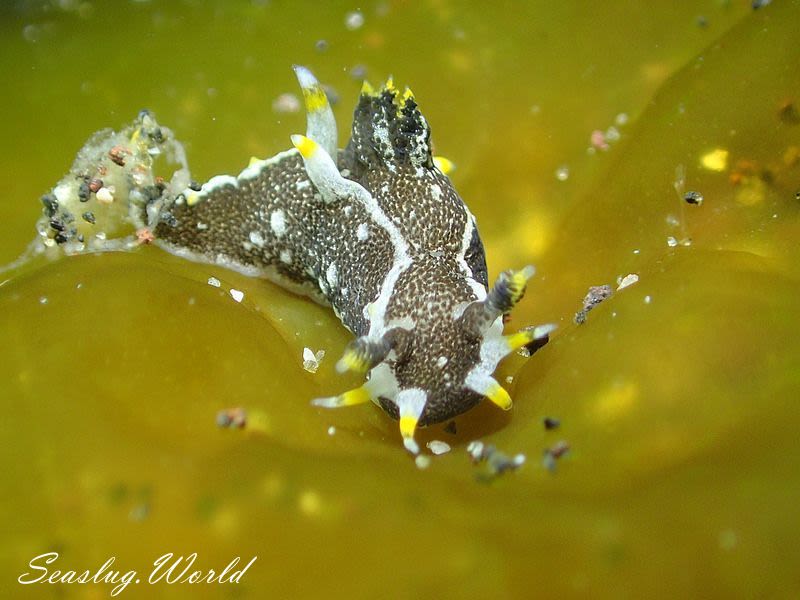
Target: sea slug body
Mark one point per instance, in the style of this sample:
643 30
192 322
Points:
377 231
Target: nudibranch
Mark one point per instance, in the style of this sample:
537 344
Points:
377 231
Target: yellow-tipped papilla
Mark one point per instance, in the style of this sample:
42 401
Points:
522 338
518 280
445 165
305 145
498 395
410 404
367 89
359 395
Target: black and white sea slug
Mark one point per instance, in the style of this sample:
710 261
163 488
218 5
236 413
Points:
377 231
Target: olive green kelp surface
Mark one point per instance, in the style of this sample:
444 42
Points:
674 470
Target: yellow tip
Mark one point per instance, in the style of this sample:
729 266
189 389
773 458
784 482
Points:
192 198
445 165
253 160
367 89
389 85
306 146
407 426
352 361
136 135
315 98
360 395
517 340
499 396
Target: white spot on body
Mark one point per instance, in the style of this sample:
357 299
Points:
286 256
362 233
441 362
331 275
277 221
257 239
436 191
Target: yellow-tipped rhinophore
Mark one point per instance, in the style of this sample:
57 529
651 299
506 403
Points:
498 395
354 359
192 198
517 280
445 165
358 395
306 146
389 85
315 98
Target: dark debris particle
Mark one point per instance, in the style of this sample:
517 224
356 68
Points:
88 216
551 423
451 428
60 238
156 135
194 186
493 462
95 184
756 4
56 225
358 72
787 112
797 195
552 454
536 344
321 46
232 418
50 203
80 238
117 155
84 192
693 198
595 295
702 21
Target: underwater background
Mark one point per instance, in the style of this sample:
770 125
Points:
576 129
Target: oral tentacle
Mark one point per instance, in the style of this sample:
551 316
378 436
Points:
359 395
321 124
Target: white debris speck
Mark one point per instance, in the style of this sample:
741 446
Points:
422 461
475 449
331 275
105 196
438 447
277 221
331 430
43 300
647 299
257 239
672 220
637 251
286 256
441 361
672 242
237 295
354 20
621 119
362 233
562 173
214 282
612 134
311 360
510 378
518 460
629 279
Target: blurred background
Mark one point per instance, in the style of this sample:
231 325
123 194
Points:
576 130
